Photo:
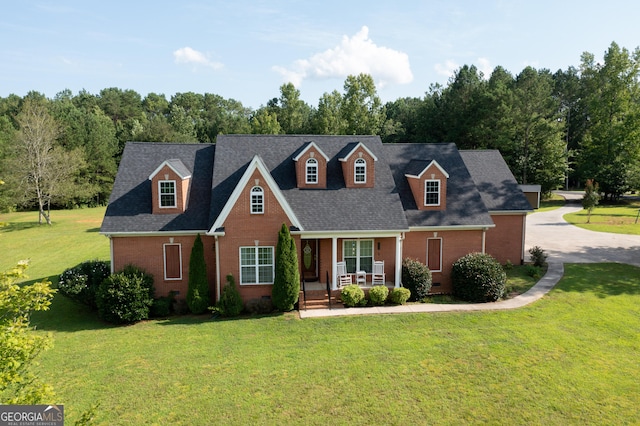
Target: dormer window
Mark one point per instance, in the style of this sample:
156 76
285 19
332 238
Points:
432 192
360 171
167 190
311 171
257 200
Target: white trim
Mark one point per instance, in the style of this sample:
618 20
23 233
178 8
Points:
217 248
358 255
256 164
509 212
112 266
441 251
164 260
309 146
257 189
359 163
175 194
257 265
450 228
348 234
432 163
157 233
168 164
359 144
438 192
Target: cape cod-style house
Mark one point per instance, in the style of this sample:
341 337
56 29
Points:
355 207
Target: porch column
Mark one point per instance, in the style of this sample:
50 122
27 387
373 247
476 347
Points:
398 260
334 261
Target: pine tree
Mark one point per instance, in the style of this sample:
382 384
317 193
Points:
286 285
198 293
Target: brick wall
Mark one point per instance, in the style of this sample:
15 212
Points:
505 241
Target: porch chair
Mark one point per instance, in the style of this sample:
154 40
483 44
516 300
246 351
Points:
378 277
343 278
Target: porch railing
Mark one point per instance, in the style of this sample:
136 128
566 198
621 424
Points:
304 294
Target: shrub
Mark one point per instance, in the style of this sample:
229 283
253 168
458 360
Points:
352 295
538 256
416 276
508 266
125 297
378 295
81 282
198 291
230 303
286 284
400 295
478 277
259 306
161 307
533 271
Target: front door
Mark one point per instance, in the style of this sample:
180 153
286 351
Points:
309 260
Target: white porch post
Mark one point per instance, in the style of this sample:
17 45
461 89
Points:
334 261
398 260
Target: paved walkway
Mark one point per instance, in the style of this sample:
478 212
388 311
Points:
563 243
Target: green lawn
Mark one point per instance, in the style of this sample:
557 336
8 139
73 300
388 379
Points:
570 358
619 219
555 201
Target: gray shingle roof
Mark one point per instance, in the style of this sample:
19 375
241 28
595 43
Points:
337 207
129 208
464 203
497 186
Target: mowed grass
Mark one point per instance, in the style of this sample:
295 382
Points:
570 358
72 238
619 219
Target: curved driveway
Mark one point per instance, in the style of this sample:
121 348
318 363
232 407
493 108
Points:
566 243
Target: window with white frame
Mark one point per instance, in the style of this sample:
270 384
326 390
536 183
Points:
360 171
172 261
432 192
257 200
358 255
167 191
256 265
311 171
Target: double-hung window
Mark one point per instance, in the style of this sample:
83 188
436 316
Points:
432 192
358 255
257 200
256 265
311 171
360 171
167 189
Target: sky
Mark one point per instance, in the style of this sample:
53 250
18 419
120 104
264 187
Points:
246 50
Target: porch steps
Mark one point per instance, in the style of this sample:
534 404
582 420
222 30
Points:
318 299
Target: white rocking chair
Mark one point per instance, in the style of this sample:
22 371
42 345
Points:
378 277
343 278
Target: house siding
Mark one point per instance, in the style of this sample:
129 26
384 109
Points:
147 253
455 244
505 242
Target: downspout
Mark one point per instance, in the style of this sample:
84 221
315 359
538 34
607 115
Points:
484 240
398 271
334 261
111 253
217 246
524 235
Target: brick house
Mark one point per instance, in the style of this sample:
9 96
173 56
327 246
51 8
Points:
348 200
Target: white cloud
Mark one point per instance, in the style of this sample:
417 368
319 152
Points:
449 68
187 55
355 55
484 66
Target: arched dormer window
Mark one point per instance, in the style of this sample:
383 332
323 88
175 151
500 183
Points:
360 171
311 173
257 200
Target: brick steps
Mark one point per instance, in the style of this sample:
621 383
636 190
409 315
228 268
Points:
318 299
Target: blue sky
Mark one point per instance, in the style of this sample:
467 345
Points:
246 50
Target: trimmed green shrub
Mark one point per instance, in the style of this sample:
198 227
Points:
81 281
286 284
230 303
352 295
125 297
416 276
198 291
399 295
378 295
259 306
478 277
161 307
533 271
538 256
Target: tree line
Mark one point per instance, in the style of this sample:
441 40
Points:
553 129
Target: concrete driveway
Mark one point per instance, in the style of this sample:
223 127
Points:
566 243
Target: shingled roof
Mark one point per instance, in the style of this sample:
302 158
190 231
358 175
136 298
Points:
129 209
335 208
494 180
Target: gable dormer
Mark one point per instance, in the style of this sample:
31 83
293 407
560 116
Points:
170 187
358 166
311 167
428 183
